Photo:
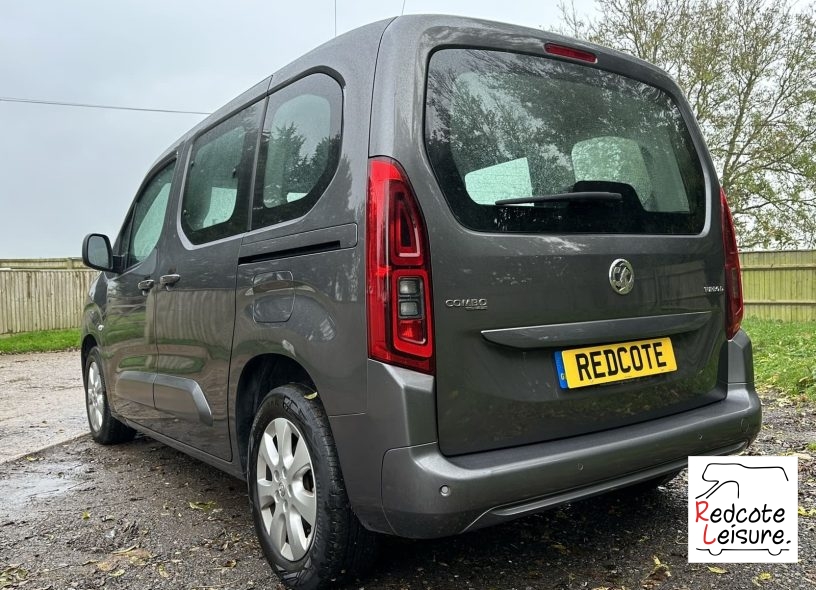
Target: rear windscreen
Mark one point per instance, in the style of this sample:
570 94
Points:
584 150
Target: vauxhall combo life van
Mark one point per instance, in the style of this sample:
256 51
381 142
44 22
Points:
436 274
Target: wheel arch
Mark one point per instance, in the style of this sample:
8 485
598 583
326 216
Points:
259 376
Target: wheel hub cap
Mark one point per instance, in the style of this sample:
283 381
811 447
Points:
95 396
286 490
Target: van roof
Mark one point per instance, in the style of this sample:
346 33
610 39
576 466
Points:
406 33
331 52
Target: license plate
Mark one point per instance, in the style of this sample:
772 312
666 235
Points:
581 367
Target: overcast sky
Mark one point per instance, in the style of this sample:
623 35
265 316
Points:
65 172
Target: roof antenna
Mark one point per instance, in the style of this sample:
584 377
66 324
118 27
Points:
403 7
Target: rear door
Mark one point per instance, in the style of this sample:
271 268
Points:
195 299
592 298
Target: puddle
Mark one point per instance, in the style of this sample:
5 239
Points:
31 482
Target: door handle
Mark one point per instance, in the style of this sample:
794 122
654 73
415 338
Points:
167 280
146 284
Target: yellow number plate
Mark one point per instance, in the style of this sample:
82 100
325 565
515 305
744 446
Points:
581 367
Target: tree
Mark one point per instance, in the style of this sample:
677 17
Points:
748 69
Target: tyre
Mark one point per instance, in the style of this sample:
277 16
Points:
302 515
105 429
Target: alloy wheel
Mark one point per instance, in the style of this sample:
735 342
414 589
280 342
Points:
286 491
95 396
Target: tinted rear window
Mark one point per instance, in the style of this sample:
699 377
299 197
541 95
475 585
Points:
503 125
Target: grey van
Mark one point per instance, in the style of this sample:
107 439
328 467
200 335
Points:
436 274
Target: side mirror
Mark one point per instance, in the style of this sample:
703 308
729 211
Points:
96 252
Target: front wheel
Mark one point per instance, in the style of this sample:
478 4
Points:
302 515
105 429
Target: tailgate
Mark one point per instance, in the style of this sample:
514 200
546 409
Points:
577 286
498 377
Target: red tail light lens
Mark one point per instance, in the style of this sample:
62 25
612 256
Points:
400 318
733 281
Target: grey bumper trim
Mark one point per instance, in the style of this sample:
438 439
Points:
598 331
483 486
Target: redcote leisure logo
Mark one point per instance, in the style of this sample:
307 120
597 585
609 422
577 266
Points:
743 510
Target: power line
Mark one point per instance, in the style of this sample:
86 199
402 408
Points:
97 106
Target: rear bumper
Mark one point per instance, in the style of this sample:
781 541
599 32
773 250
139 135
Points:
425 494
487 488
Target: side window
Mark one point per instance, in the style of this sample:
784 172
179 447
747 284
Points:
147 217
216 194
300 148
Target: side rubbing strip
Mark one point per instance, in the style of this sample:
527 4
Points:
289 252
262 246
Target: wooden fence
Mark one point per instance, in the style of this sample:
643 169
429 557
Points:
41 263
42 299
777 285
780 285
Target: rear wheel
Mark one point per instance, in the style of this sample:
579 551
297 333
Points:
105 429
302 515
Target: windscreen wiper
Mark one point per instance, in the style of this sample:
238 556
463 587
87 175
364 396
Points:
580 196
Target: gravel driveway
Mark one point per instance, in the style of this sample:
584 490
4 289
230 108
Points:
143 516
41 401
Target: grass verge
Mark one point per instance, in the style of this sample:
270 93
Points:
784 356
47 340
784 352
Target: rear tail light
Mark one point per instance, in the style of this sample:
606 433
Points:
400 319
733 281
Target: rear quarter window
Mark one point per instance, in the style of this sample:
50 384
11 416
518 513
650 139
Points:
299 151
501 125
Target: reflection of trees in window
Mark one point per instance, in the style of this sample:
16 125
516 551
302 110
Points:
295 153
290 173
310 168
487 108
284 144
492 107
